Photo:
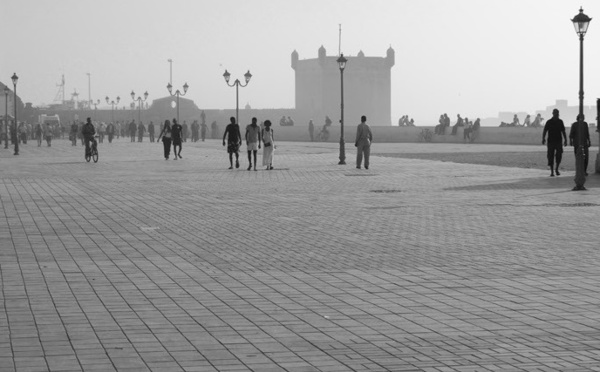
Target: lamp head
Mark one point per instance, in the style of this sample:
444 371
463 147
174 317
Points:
107 99
247 76
6 90
145 95
226 75
169 88
342 62
15 79
118 99
185 87
581 22
132 94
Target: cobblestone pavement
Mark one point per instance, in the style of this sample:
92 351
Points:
140 264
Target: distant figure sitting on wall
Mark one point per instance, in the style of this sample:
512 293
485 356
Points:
527 121
459 123
411 123
290 121
438 128
283 121
327 121
537 122
515 122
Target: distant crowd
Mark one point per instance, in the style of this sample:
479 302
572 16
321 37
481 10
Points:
536 123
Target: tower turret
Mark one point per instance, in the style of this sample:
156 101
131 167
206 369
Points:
294 59
390 57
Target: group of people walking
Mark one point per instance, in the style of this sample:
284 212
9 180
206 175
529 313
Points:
256 137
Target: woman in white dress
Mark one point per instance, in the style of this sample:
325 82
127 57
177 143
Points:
268 145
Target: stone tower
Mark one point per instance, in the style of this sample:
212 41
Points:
367 88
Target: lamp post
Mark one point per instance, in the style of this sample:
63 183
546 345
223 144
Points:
139 101
581 23
342 64
112 103
598 131
237 84
15 79
177 93
6 91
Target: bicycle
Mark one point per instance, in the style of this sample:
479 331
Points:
93 154
425 135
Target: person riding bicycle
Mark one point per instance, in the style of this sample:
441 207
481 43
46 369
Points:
88 131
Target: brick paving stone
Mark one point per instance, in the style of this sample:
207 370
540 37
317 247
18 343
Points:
137 264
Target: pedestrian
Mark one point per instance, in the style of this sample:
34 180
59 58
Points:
132 130
110 131
268 145
38 134
73 133
101 131
203 128
579 138
151 131
253 140
141 129
311 130
184 131
234 141
165 134
48 134
176 132
364 137
555 129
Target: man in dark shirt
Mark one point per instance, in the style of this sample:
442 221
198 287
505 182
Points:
234 141
580 136
555 129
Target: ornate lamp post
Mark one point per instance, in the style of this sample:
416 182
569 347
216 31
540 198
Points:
112 103
342 64
15 79
581 23
237 84
139 101
177 93
6 91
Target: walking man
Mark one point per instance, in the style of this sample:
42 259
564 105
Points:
252 142
151 131
555 129
364 137
580 136
234 141
176 133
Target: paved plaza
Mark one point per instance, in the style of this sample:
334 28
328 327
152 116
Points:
140 264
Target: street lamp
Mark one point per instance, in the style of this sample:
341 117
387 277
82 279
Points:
581 23
237 84
139 101
342 64
6 91
112 103
177 93
15 79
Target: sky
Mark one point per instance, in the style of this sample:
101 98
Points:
474 57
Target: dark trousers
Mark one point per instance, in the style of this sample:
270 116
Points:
167 146
586 156
555 150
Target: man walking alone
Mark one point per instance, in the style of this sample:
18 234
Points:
555 129
364 137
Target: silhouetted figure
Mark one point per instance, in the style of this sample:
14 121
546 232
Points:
166 136
214 129
151 132
515 122
141 129
132 130
253 140
234 141
88 131
557 137
184 132
311 130
364 137
38 134
579 138
527 121
195 129
290 121
110 132
203 128
73 133
459 123
176 133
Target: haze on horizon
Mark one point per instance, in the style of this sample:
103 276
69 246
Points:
472 57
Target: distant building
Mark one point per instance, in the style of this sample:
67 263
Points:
367 88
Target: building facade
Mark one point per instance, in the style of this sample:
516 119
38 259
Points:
367 88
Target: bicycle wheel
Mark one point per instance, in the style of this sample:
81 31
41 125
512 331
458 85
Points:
95 156
88 158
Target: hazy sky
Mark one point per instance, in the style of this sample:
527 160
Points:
475 57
